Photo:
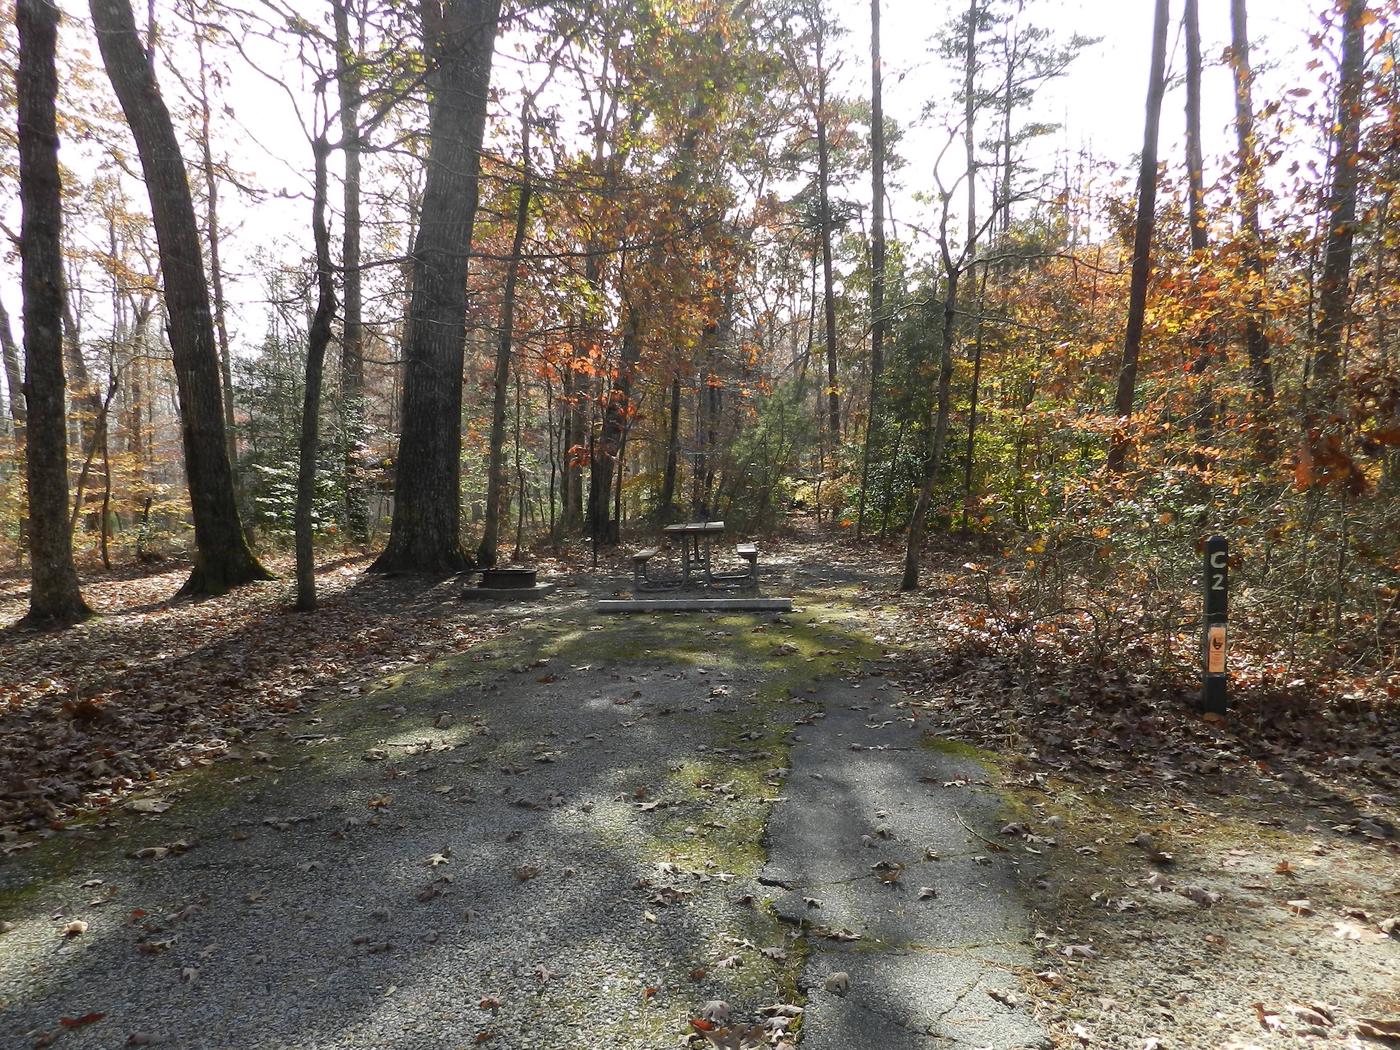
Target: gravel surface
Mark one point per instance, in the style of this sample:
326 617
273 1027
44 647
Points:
553 840
508 847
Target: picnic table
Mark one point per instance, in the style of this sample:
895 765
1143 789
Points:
696 538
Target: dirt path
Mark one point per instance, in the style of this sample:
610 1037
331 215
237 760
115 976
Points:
554 840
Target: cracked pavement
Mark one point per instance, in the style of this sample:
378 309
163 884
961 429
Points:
939 941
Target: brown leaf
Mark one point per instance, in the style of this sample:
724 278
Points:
1387 1030
79 1022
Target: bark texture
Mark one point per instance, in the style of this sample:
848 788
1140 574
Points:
460 37
54 597
222 557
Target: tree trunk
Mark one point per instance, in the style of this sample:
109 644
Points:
666 506
915 547
211 234
222 557
54 597
1196 223
352 364
495 465
1195 163
877 256
575 438
1142 240
521 496
13 378
833 397
1334 290
426 531
969 456
318 337
969 120
607 451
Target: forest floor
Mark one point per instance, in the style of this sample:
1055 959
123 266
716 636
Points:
412 821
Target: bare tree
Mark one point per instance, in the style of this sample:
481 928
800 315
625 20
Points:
878 321
1247 190
1335 288
1142 239
352 363
495 465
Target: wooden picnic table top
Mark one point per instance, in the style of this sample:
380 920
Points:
703 527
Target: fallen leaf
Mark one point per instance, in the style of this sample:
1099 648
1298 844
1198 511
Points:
1375 1028
838 983
79 1022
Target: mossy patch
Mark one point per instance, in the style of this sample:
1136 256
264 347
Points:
959 749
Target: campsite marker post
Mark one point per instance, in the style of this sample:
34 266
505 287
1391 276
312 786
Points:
1217 592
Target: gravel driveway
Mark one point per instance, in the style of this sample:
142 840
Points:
554 841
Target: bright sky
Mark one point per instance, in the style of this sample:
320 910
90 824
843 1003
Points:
1099 103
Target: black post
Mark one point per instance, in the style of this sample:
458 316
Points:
1217 592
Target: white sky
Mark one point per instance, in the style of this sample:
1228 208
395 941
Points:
1099 103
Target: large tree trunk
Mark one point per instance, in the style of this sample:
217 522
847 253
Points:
54 597
1247 188
1142 240
877 256
222 557
318 338
352 363
1334 291
495 460
426 531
